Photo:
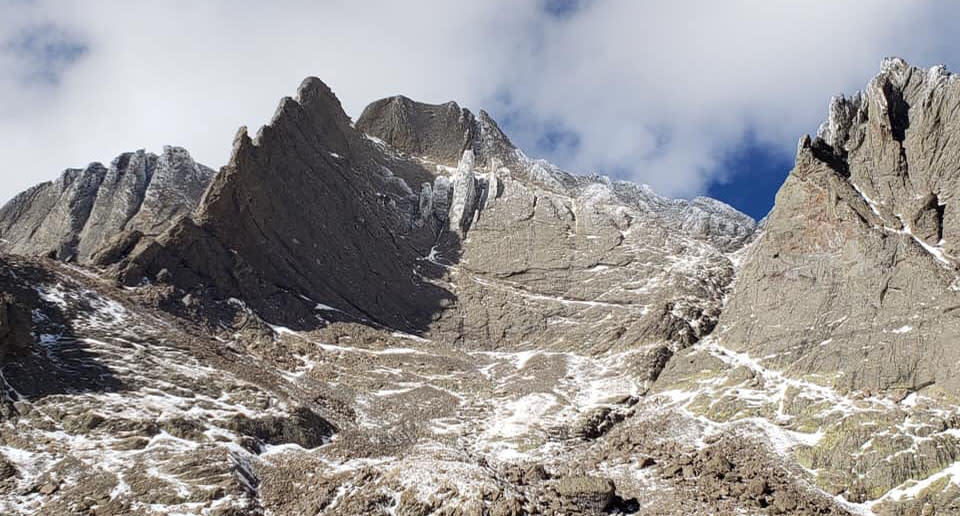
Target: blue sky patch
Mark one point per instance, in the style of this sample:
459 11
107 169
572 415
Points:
45 52
562 8
750 177
557 140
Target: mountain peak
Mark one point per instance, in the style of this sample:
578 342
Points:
313 88
439 132
878 187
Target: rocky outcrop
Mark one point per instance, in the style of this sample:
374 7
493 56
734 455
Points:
77 215
589 494
854 279
437 133
713 221
442 134
48 218
306 216
303 427
314 220
16 314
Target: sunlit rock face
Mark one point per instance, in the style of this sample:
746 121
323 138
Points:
549 259
842 323
854 279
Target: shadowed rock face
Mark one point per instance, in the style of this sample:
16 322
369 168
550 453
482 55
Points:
308 215
16 320
82 212
855 277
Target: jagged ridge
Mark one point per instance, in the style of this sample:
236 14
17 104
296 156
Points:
82 212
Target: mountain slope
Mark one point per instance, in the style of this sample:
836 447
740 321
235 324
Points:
496 251
408 315
841 327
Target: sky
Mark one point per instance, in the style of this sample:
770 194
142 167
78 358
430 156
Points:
691 97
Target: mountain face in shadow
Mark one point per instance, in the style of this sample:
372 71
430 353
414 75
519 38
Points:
308 219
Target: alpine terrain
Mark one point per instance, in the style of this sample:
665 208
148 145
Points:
406 315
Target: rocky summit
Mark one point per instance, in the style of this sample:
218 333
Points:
407 315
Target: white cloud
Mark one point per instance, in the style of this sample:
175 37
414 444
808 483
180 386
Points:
655 91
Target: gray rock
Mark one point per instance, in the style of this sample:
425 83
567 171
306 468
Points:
855 276
439 133
47 219
463 206
587 493
517 233
77 215
17 301
7 469
304 215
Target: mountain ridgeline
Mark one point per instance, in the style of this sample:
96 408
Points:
422 319
314 212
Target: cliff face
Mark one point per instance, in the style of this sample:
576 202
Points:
433 223
842 325
854 278
306 216
546 258
85 210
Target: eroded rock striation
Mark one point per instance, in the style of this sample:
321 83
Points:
84 210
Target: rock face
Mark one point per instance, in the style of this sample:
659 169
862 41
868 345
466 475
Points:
440 133
433 223
590 494
842 323
16 318
308 215
77 215
548 258
855 278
